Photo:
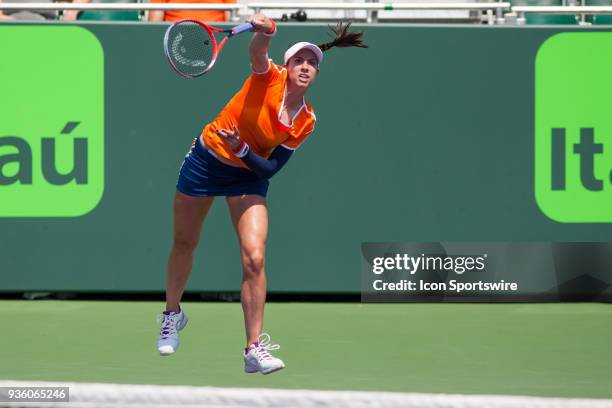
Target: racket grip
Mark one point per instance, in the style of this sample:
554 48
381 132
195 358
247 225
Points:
241 28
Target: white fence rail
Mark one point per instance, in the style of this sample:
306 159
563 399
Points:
498 8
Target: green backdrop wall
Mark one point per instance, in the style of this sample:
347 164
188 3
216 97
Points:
426 136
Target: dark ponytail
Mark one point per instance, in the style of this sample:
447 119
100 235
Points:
343 38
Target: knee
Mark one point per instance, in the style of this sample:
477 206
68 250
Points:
184 245
253 262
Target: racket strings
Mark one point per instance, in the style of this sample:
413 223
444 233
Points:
190 48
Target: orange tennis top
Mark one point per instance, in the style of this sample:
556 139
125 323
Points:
255 110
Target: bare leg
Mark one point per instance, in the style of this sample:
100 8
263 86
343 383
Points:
189 214
250 218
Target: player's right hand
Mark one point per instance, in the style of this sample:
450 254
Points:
261 22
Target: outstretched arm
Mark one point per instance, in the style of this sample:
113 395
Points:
266 168
264 29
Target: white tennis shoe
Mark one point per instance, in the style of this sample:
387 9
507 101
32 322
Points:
258 359
171 323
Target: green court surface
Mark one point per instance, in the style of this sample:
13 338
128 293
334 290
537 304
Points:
562 350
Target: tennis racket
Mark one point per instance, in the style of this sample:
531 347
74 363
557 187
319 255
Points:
191 46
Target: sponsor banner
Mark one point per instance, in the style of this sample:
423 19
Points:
573 128
51 122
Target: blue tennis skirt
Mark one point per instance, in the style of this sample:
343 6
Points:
203 175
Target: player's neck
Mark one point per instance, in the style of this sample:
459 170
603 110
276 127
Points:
294 95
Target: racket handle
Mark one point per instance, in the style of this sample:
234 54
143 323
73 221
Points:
241 28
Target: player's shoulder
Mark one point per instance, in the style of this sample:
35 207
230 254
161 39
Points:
309 110
274 73
280 69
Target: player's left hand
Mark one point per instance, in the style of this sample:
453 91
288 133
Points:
231 137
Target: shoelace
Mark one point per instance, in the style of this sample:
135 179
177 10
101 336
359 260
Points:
169 325
265 345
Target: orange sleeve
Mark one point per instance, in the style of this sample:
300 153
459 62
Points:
273 73
158 1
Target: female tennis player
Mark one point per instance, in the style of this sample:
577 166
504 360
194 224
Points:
247 143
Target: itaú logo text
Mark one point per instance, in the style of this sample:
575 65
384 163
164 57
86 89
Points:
16 165
586 151
50 176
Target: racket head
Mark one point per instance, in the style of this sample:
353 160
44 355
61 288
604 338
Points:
191 48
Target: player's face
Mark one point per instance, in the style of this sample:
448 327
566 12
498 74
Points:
303 68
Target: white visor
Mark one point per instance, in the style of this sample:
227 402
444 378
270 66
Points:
300 46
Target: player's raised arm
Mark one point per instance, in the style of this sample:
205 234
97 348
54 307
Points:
265 28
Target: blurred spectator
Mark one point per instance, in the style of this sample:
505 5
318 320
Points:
72 15
28 14
4 16
202 15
